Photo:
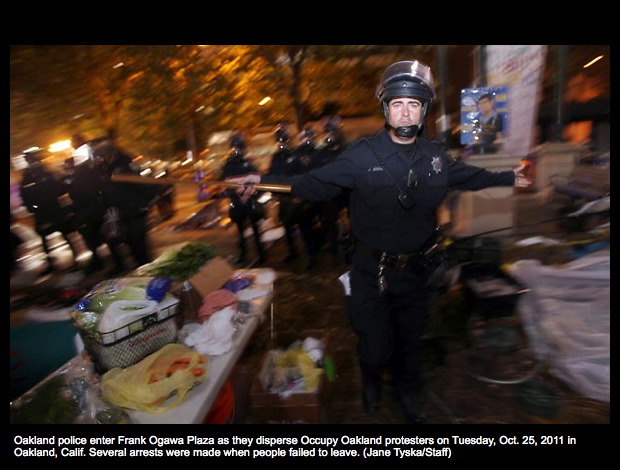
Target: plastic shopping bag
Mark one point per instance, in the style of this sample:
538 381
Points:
167 373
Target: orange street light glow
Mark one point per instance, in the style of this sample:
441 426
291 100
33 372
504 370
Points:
60 146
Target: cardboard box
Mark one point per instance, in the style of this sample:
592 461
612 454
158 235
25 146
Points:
211 277
292 408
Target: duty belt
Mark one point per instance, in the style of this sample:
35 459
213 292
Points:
400 260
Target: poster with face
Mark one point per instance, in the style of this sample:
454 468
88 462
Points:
484 116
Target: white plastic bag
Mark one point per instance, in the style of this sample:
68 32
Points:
122 312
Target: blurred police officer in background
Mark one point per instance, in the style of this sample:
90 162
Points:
243 210
87 190
330 212
397 179
41 191
283 162
128 202
309 211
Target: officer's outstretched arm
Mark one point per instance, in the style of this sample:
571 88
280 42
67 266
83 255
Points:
521 181
246 184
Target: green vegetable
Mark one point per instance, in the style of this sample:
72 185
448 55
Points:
184 263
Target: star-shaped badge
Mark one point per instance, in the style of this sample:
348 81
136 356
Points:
436 164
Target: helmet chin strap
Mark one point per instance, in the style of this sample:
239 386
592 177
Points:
407 132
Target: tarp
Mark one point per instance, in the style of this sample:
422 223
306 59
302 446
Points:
566 318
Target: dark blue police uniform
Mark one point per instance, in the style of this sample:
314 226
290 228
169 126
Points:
329 211
241 213
284 162
391 234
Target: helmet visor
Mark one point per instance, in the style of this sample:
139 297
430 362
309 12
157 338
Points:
82 154
407 70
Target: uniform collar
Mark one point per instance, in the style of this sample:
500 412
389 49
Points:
389 149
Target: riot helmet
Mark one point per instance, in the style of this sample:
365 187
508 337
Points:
83 154
34 155
306 138
281 136
237 145
333 124
406 79
333 132
237 140
77 140
104 153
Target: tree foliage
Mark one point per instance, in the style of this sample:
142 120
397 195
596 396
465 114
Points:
161 99
152 96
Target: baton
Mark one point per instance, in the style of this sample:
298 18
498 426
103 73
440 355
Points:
127 178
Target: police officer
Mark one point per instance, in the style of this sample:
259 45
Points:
40 190
133 202
330 211
243 209
87 189
397 179
283 162
309 211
